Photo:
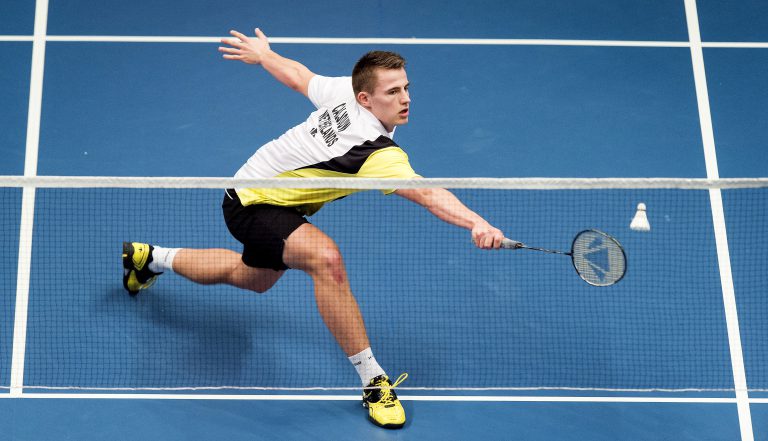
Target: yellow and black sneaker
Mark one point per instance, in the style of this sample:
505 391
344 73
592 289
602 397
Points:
136 272
384 409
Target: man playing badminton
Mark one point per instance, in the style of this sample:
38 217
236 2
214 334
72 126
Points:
349 135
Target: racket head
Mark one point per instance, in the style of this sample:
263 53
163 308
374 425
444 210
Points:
598 258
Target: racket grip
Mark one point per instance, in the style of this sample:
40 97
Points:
510 244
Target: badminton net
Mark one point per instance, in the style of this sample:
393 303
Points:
451 315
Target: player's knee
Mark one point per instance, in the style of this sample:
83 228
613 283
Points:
329 263
330 257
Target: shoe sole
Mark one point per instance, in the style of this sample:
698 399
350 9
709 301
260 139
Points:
387 426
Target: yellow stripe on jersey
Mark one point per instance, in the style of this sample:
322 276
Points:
386 163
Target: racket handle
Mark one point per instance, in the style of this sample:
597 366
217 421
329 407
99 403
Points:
510 244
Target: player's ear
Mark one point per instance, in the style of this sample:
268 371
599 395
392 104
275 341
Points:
364 99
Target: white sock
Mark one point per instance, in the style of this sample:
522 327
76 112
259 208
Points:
162 259
366 366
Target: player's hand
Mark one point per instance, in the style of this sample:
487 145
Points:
485 236
251 50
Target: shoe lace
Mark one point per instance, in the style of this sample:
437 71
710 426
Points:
386 389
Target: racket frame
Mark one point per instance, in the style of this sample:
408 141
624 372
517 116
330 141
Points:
515 245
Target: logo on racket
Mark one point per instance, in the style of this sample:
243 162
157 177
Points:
597 257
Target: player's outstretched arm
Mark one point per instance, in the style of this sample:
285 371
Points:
447 207
256 50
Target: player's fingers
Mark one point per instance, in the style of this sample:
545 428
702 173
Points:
240 36
232 42
477 239
260 34
230 50
237 34
233 57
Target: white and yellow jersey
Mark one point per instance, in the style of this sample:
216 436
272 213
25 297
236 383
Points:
339 139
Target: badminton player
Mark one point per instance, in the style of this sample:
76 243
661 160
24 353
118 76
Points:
349 135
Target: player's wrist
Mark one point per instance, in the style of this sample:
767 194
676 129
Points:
479 223
268 56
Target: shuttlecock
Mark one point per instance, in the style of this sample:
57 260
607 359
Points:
640 221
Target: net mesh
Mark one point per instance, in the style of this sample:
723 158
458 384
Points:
451 315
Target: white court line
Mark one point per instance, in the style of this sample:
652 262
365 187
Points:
736 45
401 41
16 38
450 398
393 41
28 199
718 219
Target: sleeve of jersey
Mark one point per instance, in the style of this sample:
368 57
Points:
329 91
388 163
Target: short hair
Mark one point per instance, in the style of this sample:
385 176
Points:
364 72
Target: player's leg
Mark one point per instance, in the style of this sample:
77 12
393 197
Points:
313 252
261 229
214 266
143 263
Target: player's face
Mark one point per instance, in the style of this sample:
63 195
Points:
390 101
